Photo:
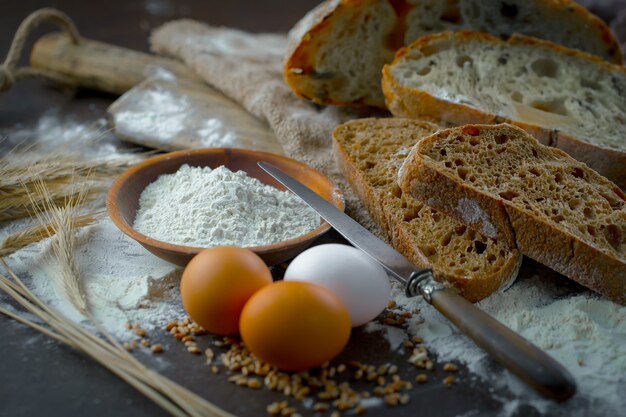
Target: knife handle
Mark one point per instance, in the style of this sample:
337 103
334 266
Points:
518 355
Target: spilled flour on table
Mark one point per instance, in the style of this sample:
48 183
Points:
55 132
584 331
123 282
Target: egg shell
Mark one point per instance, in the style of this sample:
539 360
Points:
295 325
360 282
218 282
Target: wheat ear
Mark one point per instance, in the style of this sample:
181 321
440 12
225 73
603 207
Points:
38 232
169 395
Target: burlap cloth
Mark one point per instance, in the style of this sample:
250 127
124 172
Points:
248 68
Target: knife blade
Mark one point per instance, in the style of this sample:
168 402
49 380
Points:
527 361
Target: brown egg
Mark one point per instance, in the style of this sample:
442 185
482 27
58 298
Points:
218 282
295 325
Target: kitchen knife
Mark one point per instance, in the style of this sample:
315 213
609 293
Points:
527 361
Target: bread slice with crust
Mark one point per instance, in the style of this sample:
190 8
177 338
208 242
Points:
563 97
369 153
337 51
501 181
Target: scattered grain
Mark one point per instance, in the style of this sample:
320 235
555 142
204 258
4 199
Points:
254 383
391 399
450 367
320 407
287 411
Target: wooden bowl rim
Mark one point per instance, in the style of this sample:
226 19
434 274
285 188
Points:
337 200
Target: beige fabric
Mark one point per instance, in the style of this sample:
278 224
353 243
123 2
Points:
248 68
171 114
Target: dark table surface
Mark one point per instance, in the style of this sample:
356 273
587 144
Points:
41 377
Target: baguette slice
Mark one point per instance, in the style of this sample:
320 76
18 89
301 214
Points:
337 51
565 98
369 153
554 209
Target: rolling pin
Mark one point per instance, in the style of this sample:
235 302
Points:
69 59
123 71
98 65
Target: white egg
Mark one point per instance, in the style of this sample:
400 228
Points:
358 280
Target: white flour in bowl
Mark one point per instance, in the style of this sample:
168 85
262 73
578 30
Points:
204 207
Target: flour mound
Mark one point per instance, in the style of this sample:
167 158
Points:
204 207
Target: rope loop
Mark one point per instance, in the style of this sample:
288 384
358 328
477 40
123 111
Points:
9 73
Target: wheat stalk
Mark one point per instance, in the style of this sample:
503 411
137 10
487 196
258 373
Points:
60 222
16 171
21 205
64 330
38 232
19 174
47 189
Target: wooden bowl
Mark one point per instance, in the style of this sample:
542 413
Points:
123 197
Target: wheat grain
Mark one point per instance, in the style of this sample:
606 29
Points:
172 397
38 232
17 171
58 217
65 331
69 275
60 221
61 173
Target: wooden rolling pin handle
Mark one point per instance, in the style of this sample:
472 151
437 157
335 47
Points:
99 65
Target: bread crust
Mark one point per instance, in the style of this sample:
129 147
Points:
413 103
366 194
613 46
391 219
303 45
304 38
561 251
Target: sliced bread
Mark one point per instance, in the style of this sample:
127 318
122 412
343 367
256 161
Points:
369 153
563 97
501 181
338 50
